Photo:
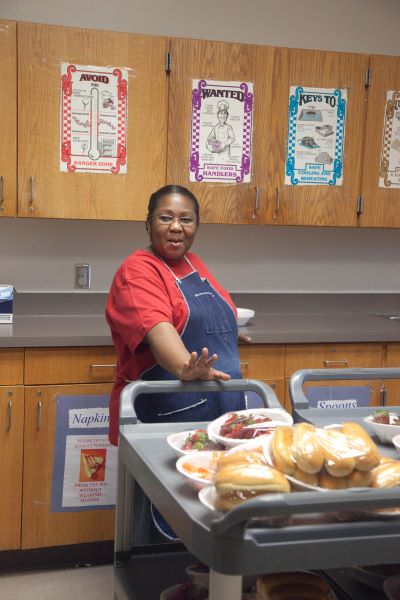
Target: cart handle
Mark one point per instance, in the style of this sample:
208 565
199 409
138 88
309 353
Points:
299 399
132 390
276 506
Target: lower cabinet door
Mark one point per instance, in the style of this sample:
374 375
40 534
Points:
40 526
11 449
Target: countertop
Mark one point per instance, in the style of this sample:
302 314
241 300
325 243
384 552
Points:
78 319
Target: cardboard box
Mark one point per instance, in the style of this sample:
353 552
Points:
6 303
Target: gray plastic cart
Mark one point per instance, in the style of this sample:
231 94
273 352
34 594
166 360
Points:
250 539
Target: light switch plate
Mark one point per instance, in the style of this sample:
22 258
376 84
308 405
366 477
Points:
82 276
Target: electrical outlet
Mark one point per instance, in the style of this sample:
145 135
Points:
82 276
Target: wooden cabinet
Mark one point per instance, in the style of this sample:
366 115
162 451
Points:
218 61
334 356
392 386
11 455
8 122
316 204
264 362
40 526
380 204
45 191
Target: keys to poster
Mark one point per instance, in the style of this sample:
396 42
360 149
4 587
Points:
93 119
221 134
316 136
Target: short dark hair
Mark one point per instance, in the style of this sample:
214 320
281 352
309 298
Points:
172 189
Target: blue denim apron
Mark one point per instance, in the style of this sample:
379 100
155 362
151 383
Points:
211 324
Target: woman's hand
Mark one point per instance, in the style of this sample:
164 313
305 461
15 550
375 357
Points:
243 337
202 368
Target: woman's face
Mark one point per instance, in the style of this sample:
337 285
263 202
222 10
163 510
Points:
172 227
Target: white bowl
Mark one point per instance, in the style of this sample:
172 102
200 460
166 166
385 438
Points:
244 315
279 416
396 441
176 441
198 468
385 433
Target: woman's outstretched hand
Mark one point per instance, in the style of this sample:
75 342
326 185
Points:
201 367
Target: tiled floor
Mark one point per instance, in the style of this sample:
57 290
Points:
83 583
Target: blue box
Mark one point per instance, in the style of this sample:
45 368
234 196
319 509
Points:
6 303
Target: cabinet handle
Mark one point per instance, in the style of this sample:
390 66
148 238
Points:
10 415
335 362
277 203
244 365
2 193
257 203
39 415
32 193
114 366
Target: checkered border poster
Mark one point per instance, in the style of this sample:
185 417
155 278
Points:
316 130
390 149
221 131
93 119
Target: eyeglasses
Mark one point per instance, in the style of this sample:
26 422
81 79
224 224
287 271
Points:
169 219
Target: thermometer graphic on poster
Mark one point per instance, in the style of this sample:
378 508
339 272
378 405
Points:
94 152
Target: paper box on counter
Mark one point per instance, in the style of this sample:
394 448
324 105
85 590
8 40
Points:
6 303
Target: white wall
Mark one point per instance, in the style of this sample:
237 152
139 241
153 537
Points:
38 255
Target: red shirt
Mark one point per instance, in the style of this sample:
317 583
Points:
144 293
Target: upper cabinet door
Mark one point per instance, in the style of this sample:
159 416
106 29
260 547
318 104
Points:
238 202
381 174
317 204
8 120
46 191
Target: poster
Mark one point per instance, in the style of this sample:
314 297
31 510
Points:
93 119
85 463
339 396
390 150
221 132
316 136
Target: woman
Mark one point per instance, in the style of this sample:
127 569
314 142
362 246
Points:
170 319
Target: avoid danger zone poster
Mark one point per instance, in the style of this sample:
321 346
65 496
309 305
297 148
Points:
94 116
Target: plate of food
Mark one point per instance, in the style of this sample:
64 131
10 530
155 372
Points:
384 423
184 591
185 442
235 428
199 467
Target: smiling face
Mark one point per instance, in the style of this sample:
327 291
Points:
172 227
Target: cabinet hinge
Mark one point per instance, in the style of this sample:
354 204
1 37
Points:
168 62
360 206
368 76
383 395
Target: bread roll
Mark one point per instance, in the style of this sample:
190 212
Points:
359 479
338 456
308 478
386 475
237 482
367 454
286 586
254 456
328 481
305 449
281 449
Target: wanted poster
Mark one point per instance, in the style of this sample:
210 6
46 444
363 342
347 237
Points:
93 119
315 136
221 131
390 149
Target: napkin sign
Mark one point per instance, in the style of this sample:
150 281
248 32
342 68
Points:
6 303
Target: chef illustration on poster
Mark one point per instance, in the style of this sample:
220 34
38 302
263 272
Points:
390 150
85 463
93 119
315 136
220 148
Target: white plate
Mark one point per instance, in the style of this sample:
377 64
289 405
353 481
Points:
191 466
176 441
385 433
208 497
244 315
275 414
396 442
